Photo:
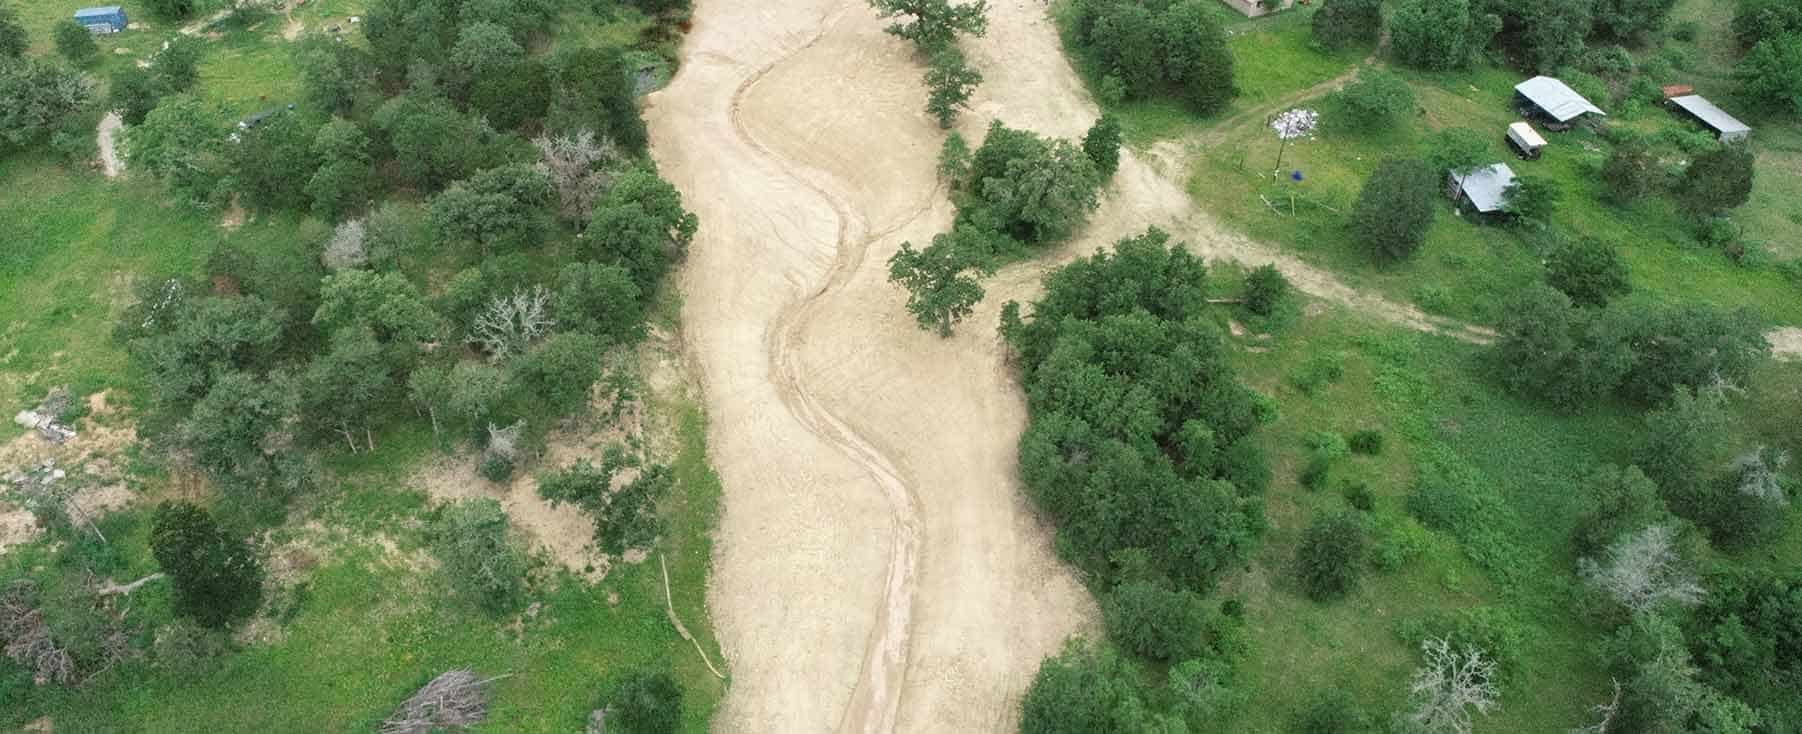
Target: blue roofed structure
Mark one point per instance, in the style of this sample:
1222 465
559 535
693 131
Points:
102 20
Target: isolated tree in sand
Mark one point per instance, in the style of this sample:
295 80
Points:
942 280
933 24
949 82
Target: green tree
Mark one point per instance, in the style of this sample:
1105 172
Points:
1618 501
954 160
177 66
561 370
217 578
1588 270
641 226
1102 145
949 82
133 93
1771 74
933 24
1266 290
74 42
1629 173
1041 195
477 390
1438 34
1196 58
231 432
333 75
601 300
1683 442
1631 20
345 176
943 281
1125 40
593 89
1532 198
430 389
1341 23
183 143
38 98
1331 556
1374 100
344 388
478 553
499 209
1085 689
1395 208
14 40
1457 150
1156 623
1544 35
189 340
273 162
1692 345
387 303
646 703
1760 20
1716 181
432 143
1553 352
172 9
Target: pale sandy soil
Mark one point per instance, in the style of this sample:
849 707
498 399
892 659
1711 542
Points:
104 140
1786 343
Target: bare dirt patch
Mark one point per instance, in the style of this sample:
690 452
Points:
109 156
1786 343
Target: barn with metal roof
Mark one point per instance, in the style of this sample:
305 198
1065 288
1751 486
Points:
1484 188
1725 126
1553 101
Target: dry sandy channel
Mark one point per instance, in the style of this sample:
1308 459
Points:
877 567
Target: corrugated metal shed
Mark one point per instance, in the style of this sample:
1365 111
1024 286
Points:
1726 126
1485 187
1556 98
1524 134
107 19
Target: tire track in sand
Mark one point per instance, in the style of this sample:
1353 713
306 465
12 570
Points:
876 699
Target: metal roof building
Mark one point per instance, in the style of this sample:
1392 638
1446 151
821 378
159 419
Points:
109 19
1554 99
1485 188
1725 126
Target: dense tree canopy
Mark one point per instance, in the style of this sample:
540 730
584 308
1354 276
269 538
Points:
1341 23
1439 34
1395 208
1030 188
1131 407
38 98
1771 74
14 39
1158 48
933 24
217 578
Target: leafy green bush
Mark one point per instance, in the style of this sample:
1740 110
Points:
1588 270
481 560
1331 556
1399 541
1332 711
1085 689
1266 291
217 578
1157 48
1395 208
646 703
1156 623
1315 473
1374 101
1494 630
1341 23
1366 441
1357 494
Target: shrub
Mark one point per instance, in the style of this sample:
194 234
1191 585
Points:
1395 208
1341 23
1357 494
1084 689
1156 623
495 468
1402 540
1716 181
1331 557
1771 74
1618 501
217 578
1629 173
1266 290
1179 51
1102 145
1588 270
646 703
1374 100
1438 34
1317 372
74 42
1332 711
482 561
1315 474
1367 441
1533 198
1494 630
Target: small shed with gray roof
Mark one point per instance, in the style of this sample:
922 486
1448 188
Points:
1726 127
1553 101
1484 189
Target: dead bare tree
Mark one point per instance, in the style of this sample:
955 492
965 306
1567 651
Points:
345 249
1604 710
510 323
580 167
454 700
1759 472
26 638
1451 685
1643 572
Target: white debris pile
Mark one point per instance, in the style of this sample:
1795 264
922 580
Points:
46 418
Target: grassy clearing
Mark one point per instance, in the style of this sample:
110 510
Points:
1466 270
1428 397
